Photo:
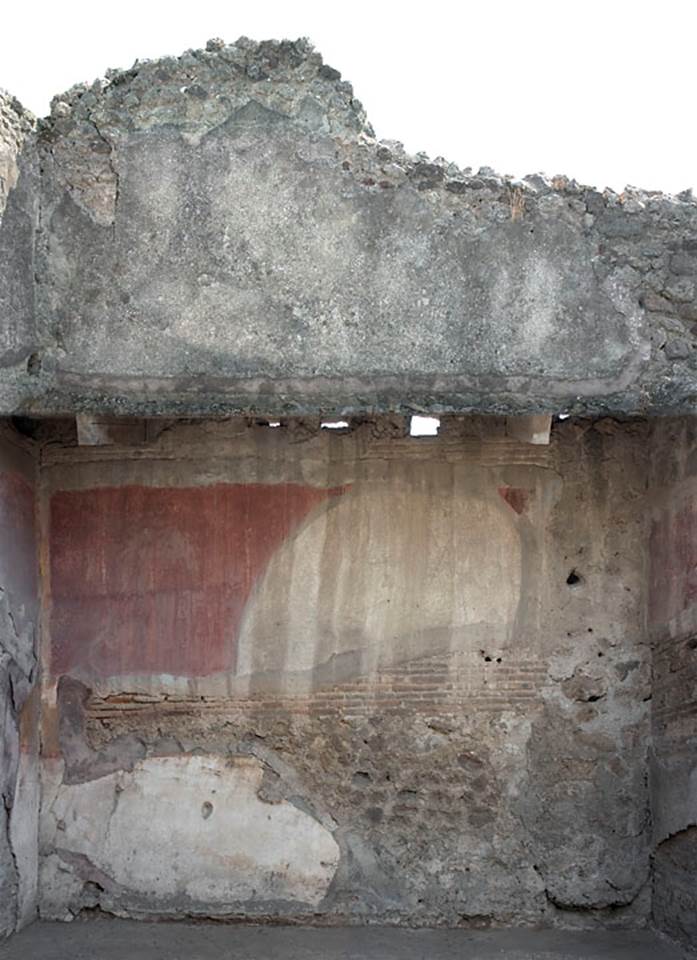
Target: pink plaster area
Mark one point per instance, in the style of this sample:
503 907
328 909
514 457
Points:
153 580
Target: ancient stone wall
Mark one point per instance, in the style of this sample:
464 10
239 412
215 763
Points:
221 232
357 675
350 675
19 701
672 619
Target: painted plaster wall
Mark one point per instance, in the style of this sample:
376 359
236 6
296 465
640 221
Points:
672 618
19 702
369 643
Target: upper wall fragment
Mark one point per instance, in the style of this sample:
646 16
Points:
221 232
19 196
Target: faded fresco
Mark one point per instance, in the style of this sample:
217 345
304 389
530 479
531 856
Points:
407 639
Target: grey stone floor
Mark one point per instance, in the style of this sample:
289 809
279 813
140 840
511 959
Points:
107 939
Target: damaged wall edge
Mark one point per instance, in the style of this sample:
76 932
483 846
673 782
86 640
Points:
672 628
19 700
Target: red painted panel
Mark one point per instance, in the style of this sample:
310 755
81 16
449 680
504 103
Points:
18 573
673 563
516 497
155 579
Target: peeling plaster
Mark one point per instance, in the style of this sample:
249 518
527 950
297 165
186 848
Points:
231 847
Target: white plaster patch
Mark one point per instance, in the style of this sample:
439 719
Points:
24 822
194 827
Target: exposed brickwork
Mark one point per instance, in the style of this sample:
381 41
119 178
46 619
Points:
430 686
675 687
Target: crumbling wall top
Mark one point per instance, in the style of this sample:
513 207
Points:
222 232
200 89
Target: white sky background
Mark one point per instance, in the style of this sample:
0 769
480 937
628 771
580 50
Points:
605 92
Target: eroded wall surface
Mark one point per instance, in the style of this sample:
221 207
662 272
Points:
221 231
300 673
19 202
19 701
672 618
